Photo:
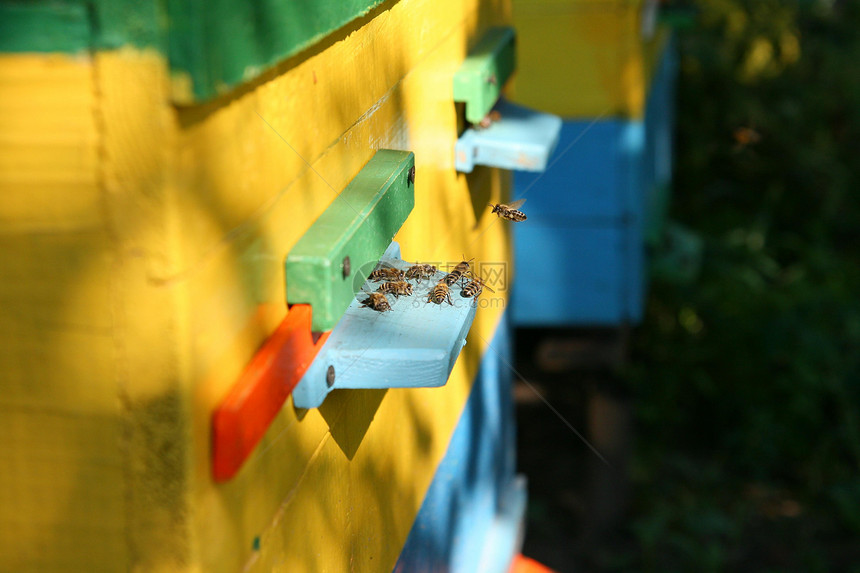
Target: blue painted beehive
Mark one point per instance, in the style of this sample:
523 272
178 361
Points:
582 254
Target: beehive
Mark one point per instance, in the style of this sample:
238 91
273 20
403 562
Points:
159 162
608 68
586 58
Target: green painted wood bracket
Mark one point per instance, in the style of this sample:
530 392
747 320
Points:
488 66
324 268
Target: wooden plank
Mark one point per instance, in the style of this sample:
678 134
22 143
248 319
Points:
47 118
72 491
151 352
520 139
62 484
247 412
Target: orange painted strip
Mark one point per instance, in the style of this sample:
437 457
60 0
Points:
523 564
242 419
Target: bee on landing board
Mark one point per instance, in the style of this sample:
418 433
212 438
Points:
420 272
376 301
510 212
439 294
474 288
462 269
386 274
397 288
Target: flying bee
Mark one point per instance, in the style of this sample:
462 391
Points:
420 272
510 212
376 301
386 274
474 288
397 288
439 294
463 268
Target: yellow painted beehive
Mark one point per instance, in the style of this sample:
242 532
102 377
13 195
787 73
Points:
586 58
143 230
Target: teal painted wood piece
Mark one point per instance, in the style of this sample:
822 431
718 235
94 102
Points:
521 139
359 224
482 75
414 345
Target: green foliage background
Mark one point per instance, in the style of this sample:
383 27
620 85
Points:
746 384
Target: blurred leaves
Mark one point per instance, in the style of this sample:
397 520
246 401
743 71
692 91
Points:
755 369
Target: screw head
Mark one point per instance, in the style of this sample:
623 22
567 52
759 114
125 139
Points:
329 376
410 178
347 267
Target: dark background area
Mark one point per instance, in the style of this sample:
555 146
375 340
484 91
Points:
730 416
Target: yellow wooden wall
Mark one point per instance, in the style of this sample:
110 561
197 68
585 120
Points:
584 58
141 258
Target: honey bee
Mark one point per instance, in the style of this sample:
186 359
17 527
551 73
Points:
439 294
376 301
474 288
420 272
489 119
463 268
397 288
510 212
386 274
